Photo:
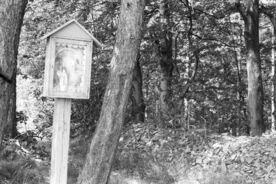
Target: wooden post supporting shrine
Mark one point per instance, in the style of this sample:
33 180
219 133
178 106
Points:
60 141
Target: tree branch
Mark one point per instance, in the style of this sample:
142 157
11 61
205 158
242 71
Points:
240 9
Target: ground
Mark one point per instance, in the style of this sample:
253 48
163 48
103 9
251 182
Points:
148 154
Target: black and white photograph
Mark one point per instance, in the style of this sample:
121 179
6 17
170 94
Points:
137 92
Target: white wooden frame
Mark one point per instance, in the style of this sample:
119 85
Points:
58 51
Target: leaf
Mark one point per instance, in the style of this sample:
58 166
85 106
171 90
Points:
257 164
273 154
199 160
259 173
249 160
223 167
242 159
233 157
188 150
269 169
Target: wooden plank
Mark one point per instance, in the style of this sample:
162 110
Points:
73 29
49 53
60 141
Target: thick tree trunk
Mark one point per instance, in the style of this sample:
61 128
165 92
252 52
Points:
272 16
137 97
4 106
100 155
10 129
11 17
166 59
255 86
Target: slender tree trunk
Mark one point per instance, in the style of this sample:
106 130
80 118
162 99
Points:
189 57
254 75
11 18
272 18
236 53
104 143
273 86
137 97
237 122
166 59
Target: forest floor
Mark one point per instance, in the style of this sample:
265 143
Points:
148 154
166 156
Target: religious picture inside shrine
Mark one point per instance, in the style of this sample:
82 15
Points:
69 68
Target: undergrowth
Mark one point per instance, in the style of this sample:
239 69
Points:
148 154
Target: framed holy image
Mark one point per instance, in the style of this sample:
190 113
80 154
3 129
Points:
68 68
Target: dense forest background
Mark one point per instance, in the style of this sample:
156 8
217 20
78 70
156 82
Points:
203 83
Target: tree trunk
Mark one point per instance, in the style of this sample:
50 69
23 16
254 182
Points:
10 129
254 75
166 60
272 16
104 143
273 76
237 122
137 97
11 18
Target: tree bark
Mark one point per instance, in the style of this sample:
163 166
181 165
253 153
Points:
271 14
255 87
137 97
11 130
237 39
104 143
166 59
11 18
272 17
237 122
273 76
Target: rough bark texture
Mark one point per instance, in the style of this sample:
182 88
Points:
273 87
271 14
10 129
255 88
11 17
240 97
137 97
166 59
100 155
272 17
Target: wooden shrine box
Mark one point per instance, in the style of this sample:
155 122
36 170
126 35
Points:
68 61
